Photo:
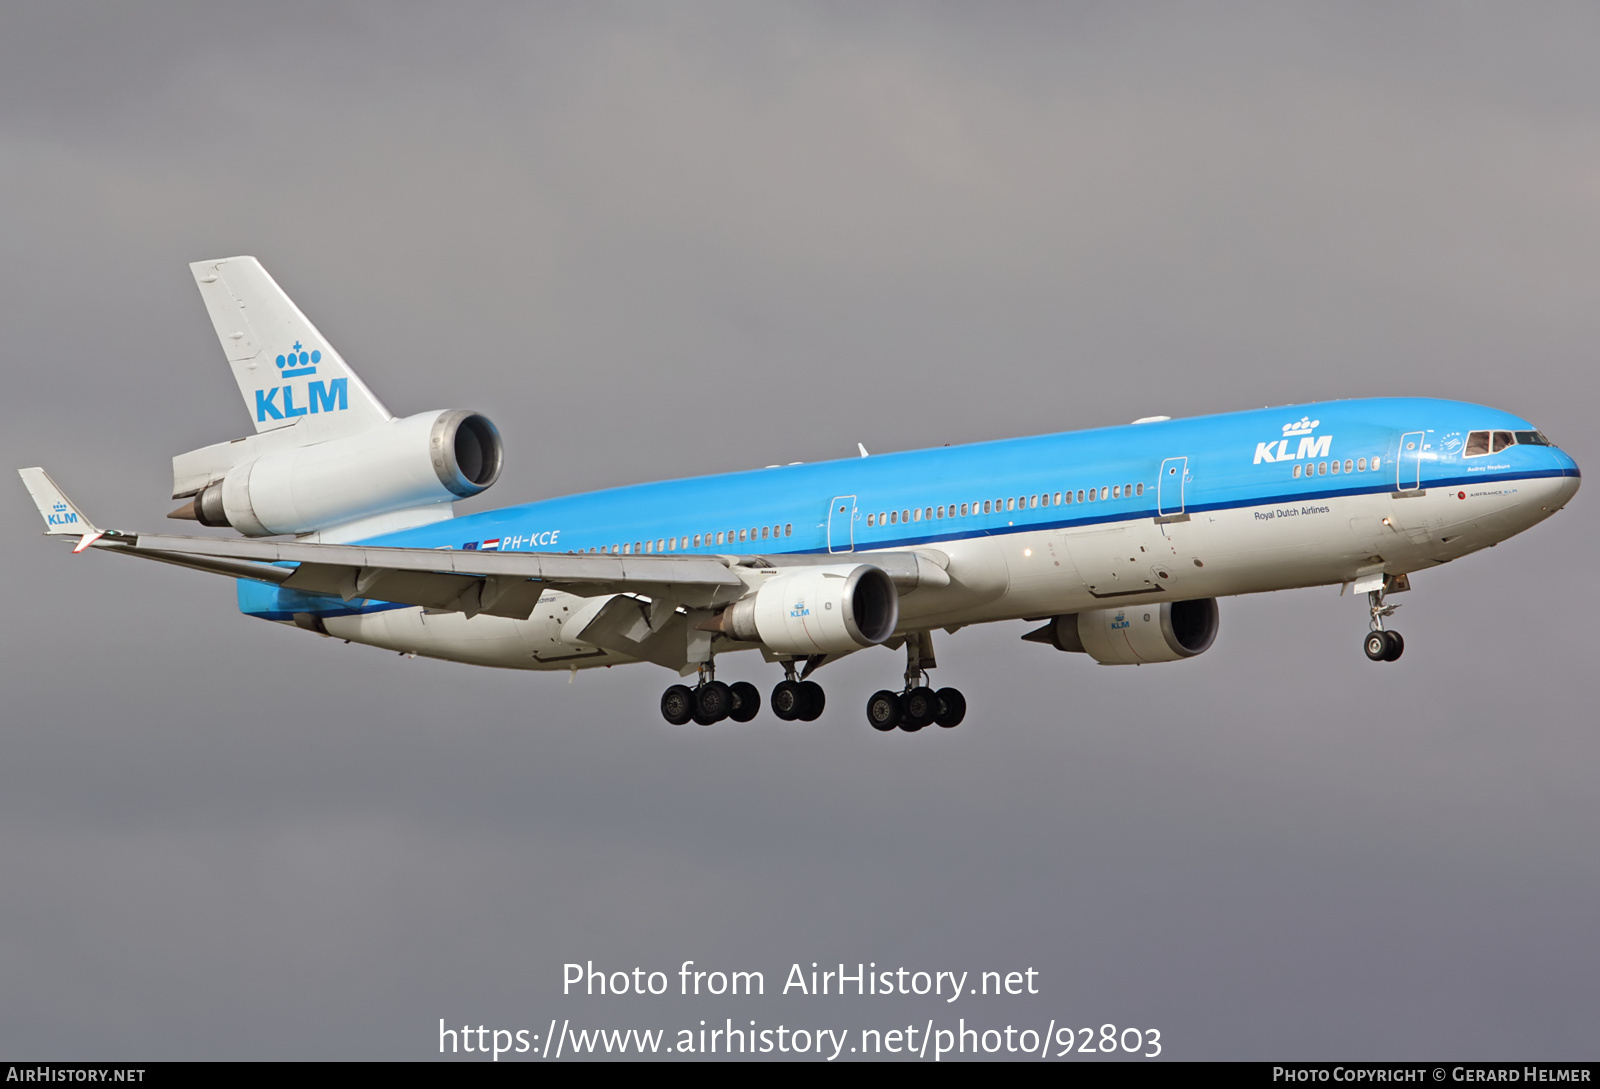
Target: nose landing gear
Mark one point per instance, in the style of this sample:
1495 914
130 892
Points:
1380 644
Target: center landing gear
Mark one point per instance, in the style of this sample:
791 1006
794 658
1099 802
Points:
918 705
796 699
710 701
1382 645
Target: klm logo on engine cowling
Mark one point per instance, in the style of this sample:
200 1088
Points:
1310 445
60 516
798 609
332 396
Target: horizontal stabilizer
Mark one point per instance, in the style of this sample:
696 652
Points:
61 516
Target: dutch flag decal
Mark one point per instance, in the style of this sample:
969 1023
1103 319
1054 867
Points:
489 546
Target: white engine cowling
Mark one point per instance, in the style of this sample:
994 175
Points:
818 610
1167 632
428 458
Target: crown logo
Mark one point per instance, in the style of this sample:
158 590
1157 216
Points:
1304 427
60 507
297 362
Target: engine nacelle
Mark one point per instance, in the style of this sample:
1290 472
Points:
818 610
428 458
1167 632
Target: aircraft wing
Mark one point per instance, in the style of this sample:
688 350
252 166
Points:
497 583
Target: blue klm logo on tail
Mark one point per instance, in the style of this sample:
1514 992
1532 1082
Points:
60 516
333 396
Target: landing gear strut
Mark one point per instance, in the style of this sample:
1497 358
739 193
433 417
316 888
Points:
917 705
1380 644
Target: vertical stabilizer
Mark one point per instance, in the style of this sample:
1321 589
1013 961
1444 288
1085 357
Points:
288 374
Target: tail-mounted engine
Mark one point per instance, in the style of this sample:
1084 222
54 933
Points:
1166 632
817 610
428 458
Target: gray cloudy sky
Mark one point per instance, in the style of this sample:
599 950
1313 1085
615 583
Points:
660 240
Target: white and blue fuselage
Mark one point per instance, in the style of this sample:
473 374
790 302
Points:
1169 510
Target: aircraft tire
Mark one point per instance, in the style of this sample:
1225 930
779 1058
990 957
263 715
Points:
712 702
952 708
921 708
746 701
1377 645
884 711
787 701
812 700
677 704
1397 646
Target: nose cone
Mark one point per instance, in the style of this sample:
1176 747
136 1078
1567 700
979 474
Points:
1570 476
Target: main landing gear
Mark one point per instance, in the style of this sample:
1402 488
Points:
796 699
1382 645
710 701
917 705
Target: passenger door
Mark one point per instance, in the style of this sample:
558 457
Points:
842 524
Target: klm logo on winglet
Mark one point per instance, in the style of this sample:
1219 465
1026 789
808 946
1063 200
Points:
60 516
331 396
1310 446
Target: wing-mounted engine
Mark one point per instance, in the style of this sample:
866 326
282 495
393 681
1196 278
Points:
1167 632
817 610
429 458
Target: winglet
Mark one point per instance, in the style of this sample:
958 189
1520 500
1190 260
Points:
61 516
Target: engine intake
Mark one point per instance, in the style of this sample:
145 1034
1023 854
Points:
818 610
1167 632
428 458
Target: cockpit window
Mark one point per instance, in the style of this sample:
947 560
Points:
1492 442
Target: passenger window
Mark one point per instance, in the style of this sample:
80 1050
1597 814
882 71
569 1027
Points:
1067 496
1140 488
1296 472
1347 465
1116 491
1361 465
986 508
766 532
1502 439
1080 495
742 534
788 529
1011 504
894 517
1103 492
697 540
916 515
963 510
1333 467
905 516
1322 468
1375 464
1092 492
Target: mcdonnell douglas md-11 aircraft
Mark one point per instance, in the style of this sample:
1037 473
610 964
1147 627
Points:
1117 541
